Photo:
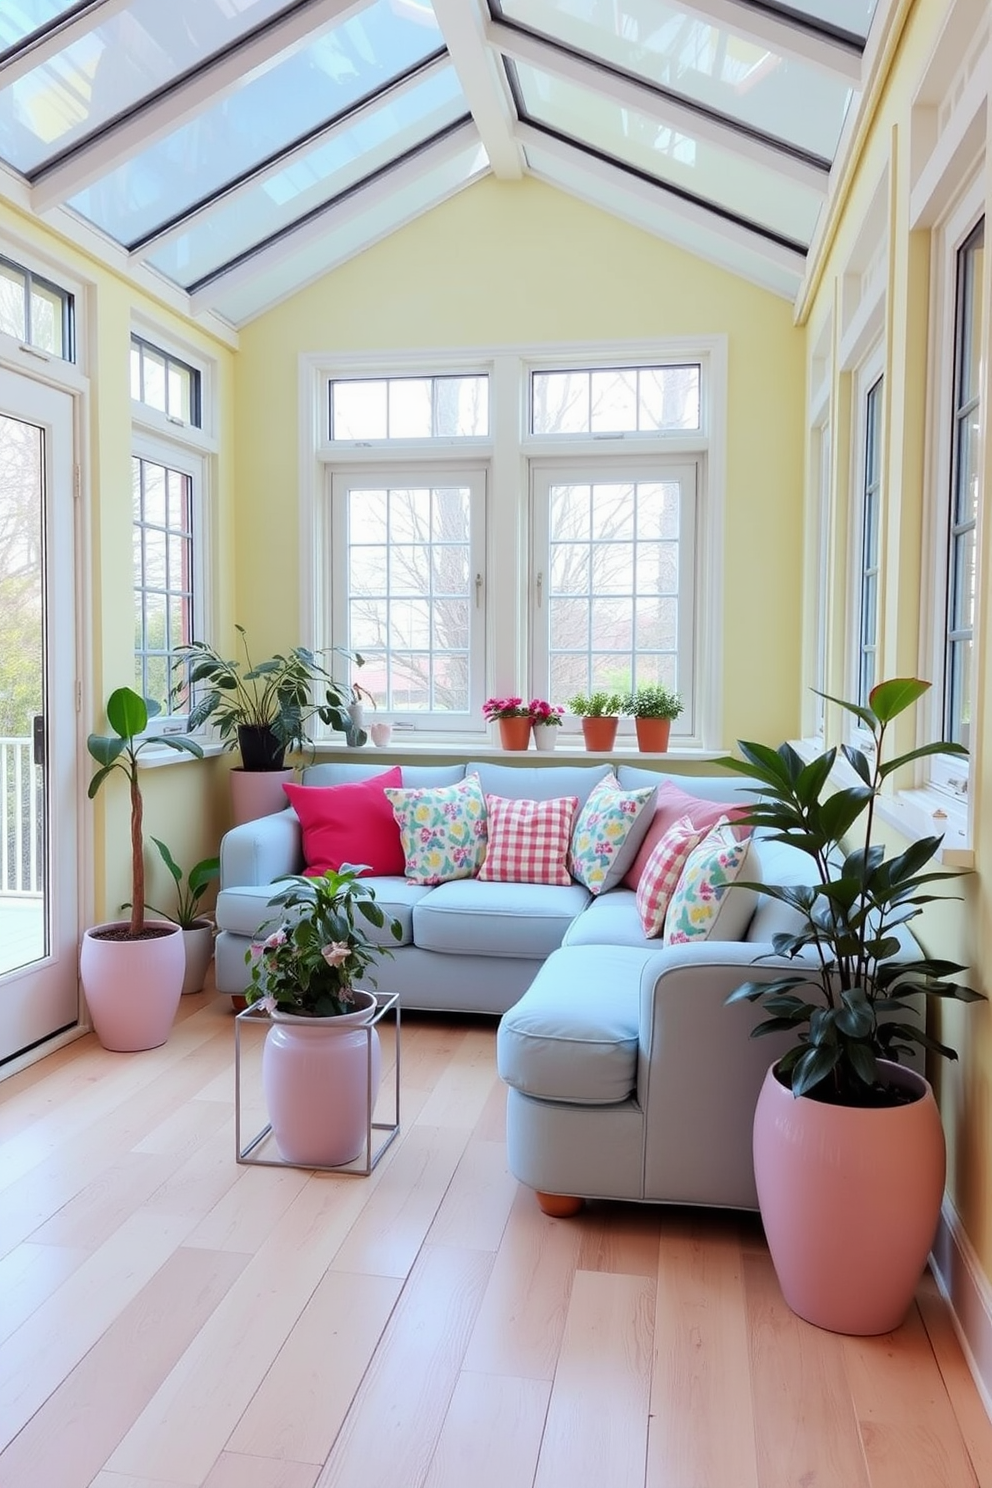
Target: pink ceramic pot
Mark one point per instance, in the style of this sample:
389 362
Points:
850 1201
315 1077
256 793
132 987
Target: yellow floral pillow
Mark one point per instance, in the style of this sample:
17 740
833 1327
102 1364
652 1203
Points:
442 829
708 903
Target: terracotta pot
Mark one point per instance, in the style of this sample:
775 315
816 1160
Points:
850 1200
198 942
132 987
514 733
545 737
600 733
256 793
315 1076
652 734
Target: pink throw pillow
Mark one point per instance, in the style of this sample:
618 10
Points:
529 840
350 823
663 871
671 803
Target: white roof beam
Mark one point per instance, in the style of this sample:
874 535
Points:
141 126
334 215
643 99
783 37
662 200
483 83
35 53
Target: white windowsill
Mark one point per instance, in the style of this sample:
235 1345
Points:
154 759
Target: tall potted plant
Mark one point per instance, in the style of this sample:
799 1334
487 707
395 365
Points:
848 1144
317 1055
653 708
132 972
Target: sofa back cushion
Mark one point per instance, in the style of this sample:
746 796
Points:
338 772
529 840
538 782
349 823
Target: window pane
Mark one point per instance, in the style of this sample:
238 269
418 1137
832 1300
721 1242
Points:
12 301
358 410
46 319
560 403
410 408
163 546
618 400
613 397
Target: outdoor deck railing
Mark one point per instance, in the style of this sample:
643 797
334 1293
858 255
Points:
20 819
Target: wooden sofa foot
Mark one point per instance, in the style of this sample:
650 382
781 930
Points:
559 1206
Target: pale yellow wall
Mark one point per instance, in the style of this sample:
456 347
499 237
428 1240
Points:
183 805
960 929
519 264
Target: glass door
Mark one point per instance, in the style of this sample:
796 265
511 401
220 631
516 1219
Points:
38 772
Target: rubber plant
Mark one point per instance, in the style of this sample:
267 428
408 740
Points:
128 715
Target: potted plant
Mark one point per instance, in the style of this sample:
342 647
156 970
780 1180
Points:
545 722
132 972
513 716
848 1145
359 696
600 715
653 708
198 931
318 1054
264 709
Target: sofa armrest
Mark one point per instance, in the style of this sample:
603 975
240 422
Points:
260 851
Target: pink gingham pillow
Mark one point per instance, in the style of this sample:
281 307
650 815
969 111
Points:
528 840
662 871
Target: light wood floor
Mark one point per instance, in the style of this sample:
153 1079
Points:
170 1318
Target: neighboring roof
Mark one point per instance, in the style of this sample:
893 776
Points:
242 148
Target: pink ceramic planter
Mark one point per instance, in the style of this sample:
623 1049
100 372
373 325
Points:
850 1201
316 1084
132 987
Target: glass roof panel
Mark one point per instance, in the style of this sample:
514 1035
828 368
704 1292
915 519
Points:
268 111
313 178
755 194
114 66
852 16
705 63
25 17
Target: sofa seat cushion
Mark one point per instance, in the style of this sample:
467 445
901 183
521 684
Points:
243 911
572 1037
612 919
474 917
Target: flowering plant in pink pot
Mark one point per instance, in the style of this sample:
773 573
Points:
511 707
312 957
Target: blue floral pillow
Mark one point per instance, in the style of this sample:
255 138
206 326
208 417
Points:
607 833
442 830
708 903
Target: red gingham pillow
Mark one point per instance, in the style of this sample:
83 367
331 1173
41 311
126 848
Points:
529 840
662 872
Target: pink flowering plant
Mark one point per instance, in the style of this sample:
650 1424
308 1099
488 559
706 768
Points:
510 707
310 961
544 714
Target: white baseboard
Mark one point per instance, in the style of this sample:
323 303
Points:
968 1293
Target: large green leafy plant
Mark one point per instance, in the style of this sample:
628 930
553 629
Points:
128 715
310 961
847 1000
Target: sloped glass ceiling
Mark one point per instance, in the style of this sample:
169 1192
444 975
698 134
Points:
227 144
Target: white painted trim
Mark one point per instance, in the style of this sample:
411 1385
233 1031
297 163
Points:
62 35
785 38
483 81
968 1294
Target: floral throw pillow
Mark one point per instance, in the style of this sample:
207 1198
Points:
528 840
442 830
703 906
662 871
608 832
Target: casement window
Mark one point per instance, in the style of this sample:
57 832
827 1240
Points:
516 525
169 475
867 562
36 312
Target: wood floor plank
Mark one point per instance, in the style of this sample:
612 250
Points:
973 1422
477 1204
805 1423
492 1433
462 1090
491 1125
300 1405
50 1343
622 1238
215 1380
28 1276
234 1471
907 1424
68 1440
243 1217
597 1425
93 1214
392 1430
127 1480
701 1406
522 1317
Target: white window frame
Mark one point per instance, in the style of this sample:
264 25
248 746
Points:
865 377
340 481
168 440
507 454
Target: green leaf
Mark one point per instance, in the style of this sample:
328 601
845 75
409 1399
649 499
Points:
201 874
888 699
840 811
127 713
857 762
862 1061
98 780
867 717
168 860
813 1066
104 749
941 746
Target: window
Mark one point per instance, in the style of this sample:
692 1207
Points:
36 312
868 562
962 506
169 473
532 525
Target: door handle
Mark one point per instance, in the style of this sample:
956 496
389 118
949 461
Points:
38 739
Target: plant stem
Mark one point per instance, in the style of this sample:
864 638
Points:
137 852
